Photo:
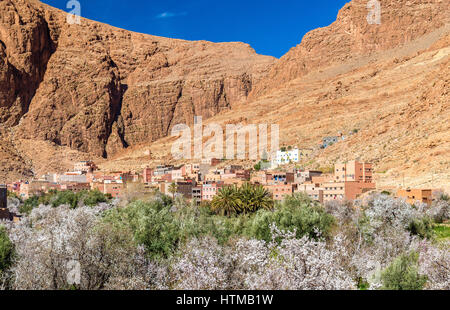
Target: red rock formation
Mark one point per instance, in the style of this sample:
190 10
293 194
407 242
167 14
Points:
351 36
99 89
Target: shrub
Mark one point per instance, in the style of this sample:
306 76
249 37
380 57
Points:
422 227
297 213
13 195
65 198
6 250
93 198
440 209
56 199
152 225
403 274
257 167
248 198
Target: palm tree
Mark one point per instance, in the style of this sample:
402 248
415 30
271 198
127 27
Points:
227 201
173 188
254 197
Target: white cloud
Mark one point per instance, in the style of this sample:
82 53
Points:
170 14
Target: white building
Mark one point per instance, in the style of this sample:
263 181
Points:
290 156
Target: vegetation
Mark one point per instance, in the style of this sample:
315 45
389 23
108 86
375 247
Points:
6 250
173 188
422 227
241 240
246 199
13 195
296 214
442 231
58 198
328 169
152 225
403 274
257 167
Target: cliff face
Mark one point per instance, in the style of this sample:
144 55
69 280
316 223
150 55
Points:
99 89
385 87
351 36
69 89
25 48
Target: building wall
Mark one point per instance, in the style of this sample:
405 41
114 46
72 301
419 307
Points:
333 191
185 188
147 175
209 191
3 197
280 191
354 171
72 178
413 195
288 156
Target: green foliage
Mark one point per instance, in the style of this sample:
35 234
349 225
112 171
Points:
56 199
442 232
6 250
173 188
29 204
253 198
387 193
329 169
65 198
444 197
422 227
257 167
93 198
403 274
362 284
227 201
246 199
152 225
13 195
297 213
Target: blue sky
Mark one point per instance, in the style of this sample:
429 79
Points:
271 27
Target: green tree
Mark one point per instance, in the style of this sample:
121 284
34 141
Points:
93 198
297 213
65 198
6 250
257 167
151 224
253 198
422 227
173 188
403 274
227 201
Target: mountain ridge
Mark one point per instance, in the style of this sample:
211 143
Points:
335 90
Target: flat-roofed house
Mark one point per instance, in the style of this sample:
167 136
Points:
413 195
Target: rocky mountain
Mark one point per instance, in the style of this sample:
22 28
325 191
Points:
99 89
94 90
384 87
351 36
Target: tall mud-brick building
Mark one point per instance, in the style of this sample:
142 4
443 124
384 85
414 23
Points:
3 194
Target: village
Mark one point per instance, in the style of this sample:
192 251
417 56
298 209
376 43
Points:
201 181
